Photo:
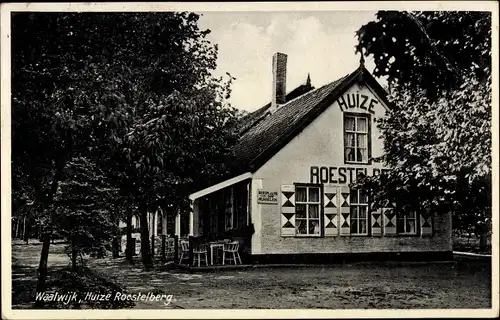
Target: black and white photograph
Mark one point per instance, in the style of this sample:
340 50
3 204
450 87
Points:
249 160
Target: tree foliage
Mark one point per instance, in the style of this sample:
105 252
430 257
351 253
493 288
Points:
428 50
437 137
130 93
84 208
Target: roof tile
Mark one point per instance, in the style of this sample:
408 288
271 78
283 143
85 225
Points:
269 130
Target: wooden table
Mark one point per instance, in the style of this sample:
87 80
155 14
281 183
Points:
214 245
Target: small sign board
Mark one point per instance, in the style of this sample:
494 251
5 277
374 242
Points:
269 197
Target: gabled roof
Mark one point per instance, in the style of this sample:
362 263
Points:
266 137
252 118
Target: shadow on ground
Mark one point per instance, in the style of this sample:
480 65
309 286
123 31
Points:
23 286
463 284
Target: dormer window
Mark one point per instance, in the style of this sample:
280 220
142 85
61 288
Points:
356 138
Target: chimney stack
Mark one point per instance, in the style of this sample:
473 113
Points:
279 80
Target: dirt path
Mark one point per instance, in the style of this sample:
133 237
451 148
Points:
466 284
333 287
25 260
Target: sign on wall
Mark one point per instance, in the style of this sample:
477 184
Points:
268 197
356 100
341 174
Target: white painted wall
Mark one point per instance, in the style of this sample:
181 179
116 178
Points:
321 144
256 209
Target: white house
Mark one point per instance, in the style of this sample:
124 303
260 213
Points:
288 198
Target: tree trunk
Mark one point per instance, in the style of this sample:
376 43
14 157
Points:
42 268
44 256
74 253
129 250
483 243
116 241
153 226
25 234
82 262
481 231
145 249
115 246
18 222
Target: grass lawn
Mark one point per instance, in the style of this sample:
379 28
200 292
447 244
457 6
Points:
465 284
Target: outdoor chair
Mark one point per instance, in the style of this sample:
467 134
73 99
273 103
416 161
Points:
184 251
230 252
199 252
170 248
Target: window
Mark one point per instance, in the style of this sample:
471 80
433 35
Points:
356 138
307 210
359 212
240 206
407 223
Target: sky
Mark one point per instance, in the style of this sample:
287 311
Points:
318 43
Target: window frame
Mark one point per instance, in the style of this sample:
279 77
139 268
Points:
307 186
368 133
403 216
358 205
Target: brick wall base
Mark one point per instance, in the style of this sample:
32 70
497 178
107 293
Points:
336 258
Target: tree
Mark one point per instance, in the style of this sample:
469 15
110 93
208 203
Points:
168 126
437 138
85 207
49 124
177 144
83 85
428 50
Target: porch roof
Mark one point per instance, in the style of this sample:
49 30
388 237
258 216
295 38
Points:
219 186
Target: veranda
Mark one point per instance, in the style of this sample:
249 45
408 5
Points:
217 230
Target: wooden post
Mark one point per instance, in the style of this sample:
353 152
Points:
176 249
164 223
177 224
191 222
155 224
163 248
233 216
191 244
248 202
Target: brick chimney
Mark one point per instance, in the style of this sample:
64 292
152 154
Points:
279 80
